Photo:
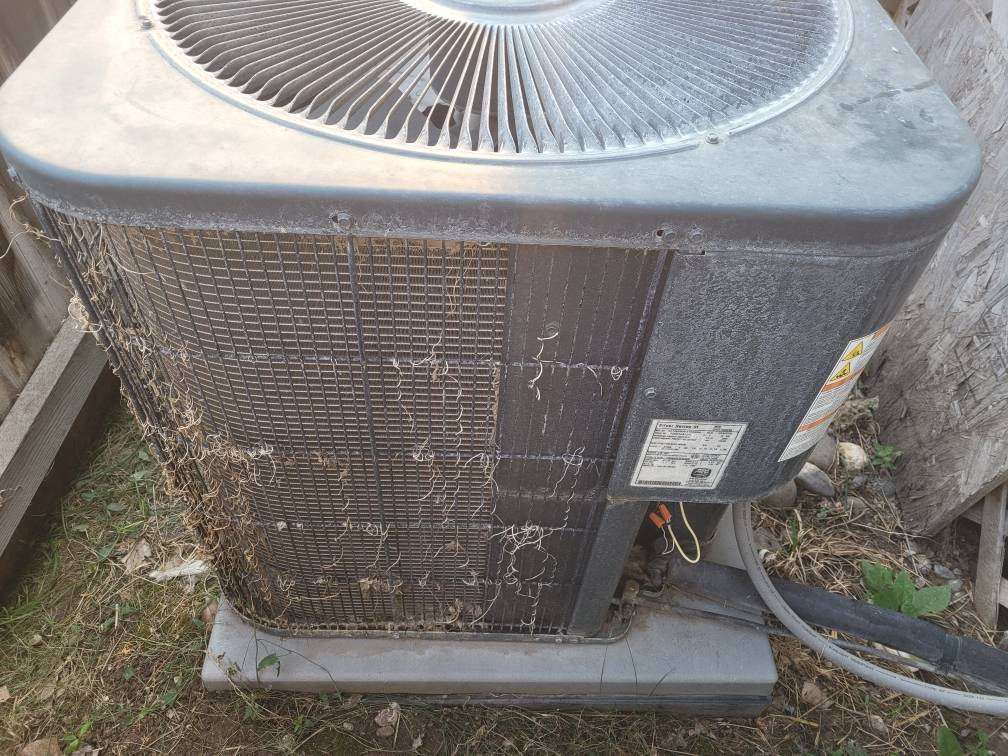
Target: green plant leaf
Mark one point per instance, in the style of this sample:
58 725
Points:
267 662
104 552
886 456
930 600
169 697
904 588
948 743
888 598
876 577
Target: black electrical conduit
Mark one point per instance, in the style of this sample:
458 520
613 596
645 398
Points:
952 655
786 614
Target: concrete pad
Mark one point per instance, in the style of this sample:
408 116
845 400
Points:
683 663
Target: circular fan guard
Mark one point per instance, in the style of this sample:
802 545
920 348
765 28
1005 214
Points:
521 78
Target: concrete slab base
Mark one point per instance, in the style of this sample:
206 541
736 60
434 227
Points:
682 663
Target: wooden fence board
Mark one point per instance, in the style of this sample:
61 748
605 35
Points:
33 293
943 375
39 423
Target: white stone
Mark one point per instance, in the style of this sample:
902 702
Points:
852 456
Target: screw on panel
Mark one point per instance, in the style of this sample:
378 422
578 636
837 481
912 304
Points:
650 393
712 138
146 23
343 220
696 234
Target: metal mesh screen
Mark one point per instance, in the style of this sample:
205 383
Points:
377 434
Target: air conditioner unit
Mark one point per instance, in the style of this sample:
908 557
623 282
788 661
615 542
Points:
425 304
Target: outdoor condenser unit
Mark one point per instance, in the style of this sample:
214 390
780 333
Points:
424 303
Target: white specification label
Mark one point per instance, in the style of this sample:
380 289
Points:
834 393
686 454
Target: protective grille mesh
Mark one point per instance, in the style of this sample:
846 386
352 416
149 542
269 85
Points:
506 79
377 434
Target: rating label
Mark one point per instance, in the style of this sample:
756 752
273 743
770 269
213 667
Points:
686 454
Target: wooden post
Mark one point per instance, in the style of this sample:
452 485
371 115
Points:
46 435
990 559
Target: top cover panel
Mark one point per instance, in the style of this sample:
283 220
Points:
658 122
526 79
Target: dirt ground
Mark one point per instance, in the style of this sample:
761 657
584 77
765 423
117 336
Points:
97 655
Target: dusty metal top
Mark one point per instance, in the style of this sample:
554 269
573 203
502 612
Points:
527 78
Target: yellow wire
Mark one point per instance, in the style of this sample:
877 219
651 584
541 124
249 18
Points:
696 541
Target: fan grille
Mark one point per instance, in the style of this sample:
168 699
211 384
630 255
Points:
583 78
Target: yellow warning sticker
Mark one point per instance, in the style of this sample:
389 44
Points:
834 391
842 372
857 351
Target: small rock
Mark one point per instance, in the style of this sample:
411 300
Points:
351 702
35 640
921 563
43 747
385 732
812 695
858 506
852 456
389 716
348 726
765 540
883 487
45 692
955 585
878 725
921 582
814 480
943 572
782 497
4 694
957 571
210 613
858 481
824 453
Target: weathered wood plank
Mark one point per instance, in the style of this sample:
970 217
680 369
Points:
991 555
33 294
943 376
44 414
999 19
33 304
22 24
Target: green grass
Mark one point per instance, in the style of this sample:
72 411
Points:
117 659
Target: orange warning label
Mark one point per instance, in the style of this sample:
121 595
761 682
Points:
834 391
841 373
857 351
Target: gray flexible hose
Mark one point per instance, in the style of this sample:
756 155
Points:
936 694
